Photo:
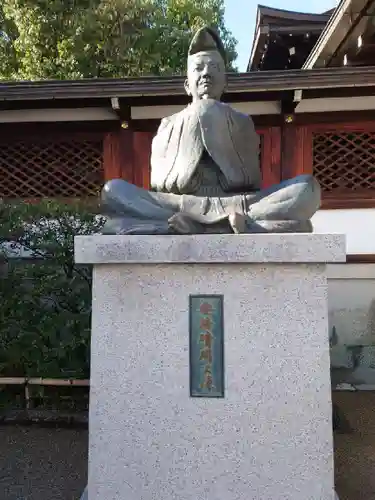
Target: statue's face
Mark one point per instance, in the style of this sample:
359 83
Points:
206 78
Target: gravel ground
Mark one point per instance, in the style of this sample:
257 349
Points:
355 452
42 464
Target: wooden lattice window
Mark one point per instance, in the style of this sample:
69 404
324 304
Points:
342 158
53 168
344 161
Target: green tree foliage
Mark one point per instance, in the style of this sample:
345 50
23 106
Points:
46 298
72 39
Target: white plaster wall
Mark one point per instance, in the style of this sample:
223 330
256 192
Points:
57 115
251 108
351 303
357 224
351 287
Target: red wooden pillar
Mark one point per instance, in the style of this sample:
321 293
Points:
118 155
296 157
142 154
270 156
271 167
126 155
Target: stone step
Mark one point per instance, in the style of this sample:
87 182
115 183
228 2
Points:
85 495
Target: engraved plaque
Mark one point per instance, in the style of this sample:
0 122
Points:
206 346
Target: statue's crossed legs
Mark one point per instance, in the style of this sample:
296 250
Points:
286 207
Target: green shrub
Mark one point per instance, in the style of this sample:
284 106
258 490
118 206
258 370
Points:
45 297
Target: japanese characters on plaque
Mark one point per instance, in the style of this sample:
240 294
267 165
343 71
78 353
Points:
206 346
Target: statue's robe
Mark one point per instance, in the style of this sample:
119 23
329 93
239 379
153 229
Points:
229 138
205 167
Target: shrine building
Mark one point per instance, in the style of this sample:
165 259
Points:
310 88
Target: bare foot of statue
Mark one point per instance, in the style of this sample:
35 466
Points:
238 223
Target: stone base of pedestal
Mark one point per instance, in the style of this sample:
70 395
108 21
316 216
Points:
270 436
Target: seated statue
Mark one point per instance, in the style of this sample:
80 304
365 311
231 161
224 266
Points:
205 172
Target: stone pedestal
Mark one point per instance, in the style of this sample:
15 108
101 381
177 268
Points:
270 437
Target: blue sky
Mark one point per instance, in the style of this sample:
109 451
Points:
240 16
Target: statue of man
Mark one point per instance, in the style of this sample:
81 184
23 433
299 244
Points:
205 168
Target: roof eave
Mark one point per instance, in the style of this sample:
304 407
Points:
256 50
341 22
262 28
301 17
253 82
